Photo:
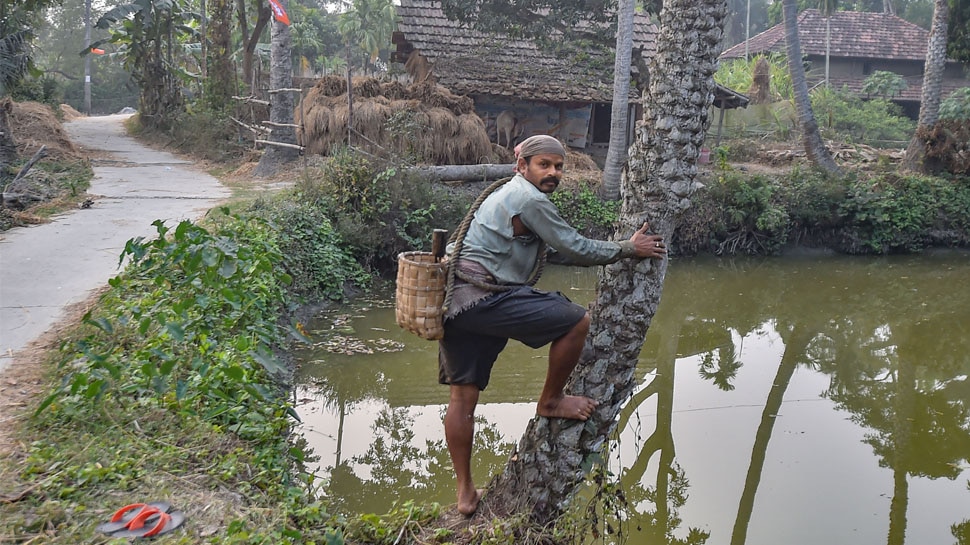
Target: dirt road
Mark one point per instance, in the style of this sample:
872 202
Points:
47 268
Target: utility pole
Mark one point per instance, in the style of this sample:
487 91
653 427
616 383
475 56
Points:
87 57
747 30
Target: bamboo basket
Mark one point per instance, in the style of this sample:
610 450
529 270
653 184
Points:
420 294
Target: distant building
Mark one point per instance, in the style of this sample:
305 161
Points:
860 44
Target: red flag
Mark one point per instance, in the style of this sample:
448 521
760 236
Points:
278 12
97 51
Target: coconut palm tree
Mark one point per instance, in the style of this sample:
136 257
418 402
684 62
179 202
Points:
369 23
658 181
306 42
811 138
616 154
929 109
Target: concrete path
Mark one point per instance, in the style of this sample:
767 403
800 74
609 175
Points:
46 268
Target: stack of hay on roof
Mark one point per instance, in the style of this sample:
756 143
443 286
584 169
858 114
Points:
422 120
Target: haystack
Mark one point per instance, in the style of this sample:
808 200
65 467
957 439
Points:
422 120
33 125
760 90
70 113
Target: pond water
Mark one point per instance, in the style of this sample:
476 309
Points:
800 400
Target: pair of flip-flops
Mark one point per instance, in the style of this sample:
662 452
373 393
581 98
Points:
143 520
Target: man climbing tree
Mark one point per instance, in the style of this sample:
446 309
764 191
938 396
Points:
553 456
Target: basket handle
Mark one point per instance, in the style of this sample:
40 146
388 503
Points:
438 238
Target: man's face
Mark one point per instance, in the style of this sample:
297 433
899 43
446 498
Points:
543 170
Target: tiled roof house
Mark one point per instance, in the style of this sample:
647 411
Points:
568 97
860 44
469 62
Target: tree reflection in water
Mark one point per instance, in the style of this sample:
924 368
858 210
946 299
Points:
890 336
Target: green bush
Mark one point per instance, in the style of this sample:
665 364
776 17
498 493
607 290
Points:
378 210
44 89
884 83
842 116
173 376
313 253
736 213
813 203
894 213
191 321
956 106
209 135
582 208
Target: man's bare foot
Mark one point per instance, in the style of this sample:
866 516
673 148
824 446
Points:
571 407
468 506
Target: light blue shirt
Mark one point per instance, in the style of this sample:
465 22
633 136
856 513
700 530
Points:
510 259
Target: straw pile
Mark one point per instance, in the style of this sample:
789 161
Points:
33 125
429 121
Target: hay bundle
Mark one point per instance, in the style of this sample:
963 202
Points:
382 100
457 104
70 113
394 90
409 136
366 88
408 105
370 118
437 96
580 168
418 67
316 130
331 86
579 161
421 128
472 145
760 90
442 122
337 129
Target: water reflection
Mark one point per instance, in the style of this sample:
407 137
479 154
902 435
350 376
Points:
818 400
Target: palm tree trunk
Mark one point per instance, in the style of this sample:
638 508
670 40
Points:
616 154
795 345
811 138
929 109
903 414
657 184
281 102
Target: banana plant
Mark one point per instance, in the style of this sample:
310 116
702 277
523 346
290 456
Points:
148 33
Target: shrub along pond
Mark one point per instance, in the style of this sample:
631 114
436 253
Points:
801 400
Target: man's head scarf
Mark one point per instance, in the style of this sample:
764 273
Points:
540 143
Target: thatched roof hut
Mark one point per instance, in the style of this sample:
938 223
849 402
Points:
423 121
